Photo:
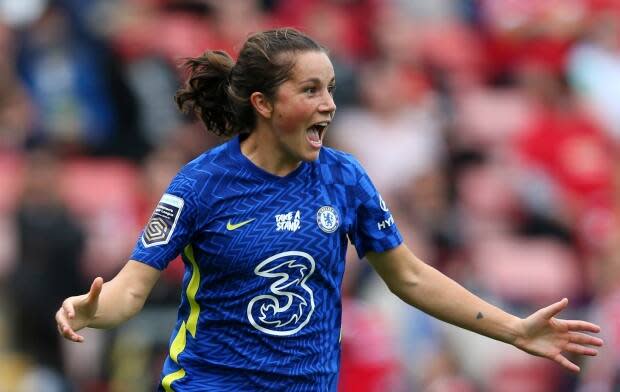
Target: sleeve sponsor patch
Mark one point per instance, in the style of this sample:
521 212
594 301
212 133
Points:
160 227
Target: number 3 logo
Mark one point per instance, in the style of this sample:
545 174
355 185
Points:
288 307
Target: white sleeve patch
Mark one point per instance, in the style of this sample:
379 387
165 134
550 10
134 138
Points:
160 227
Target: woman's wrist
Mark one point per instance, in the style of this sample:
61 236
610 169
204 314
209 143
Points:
516 331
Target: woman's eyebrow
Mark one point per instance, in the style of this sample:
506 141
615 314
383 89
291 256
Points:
317 80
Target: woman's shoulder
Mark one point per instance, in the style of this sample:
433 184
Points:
208 163
344 163
330 155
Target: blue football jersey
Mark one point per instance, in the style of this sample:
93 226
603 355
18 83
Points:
264 258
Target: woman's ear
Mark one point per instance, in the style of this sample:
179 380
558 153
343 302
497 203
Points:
261 104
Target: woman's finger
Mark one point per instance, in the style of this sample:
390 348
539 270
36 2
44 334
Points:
566 363
582 338
64 327
580 325
60 321
581 350
70 334
554 309
95 290
67 306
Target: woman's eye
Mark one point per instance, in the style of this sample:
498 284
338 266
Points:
310 90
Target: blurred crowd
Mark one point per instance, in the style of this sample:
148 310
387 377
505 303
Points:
491 128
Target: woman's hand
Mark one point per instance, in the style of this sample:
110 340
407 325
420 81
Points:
77 312
546 336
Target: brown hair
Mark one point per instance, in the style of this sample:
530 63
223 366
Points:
217 89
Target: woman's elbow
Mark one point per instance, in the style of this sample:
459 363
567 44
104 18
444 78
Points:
403 286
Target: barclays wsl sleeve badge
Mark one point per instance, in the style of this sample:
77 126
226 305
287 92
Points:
327 218
160 227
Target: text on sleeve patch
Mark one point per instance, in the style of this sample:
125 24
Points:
161 225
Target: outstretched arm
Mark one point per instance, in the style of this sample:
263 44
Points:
107 304
541 334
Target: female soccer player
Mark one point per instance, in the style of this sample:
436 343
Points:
262 222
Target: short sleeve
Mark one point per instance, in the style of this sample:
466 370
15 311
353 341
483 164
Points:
374 228
170 227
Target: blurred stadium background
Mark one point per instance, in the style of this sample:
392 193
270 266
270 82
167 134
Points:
491 128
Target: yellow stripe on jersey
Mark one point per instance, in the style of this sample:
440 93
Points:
178 344
192 289
170 378
180 340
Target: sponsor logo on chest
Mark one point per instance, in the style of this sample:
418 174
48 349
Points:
289 221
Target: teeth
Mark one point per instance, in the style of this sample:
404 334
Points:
314 134
318 128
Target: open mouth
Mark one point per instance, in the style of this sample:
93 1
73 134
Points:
315 133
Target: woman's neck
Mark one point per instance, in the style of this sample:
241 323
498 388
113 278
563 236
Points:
264 151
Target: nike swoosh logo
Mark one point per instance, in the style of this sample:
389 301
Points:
234 226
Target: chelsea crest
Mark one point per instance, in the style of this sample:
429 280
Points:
327 218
